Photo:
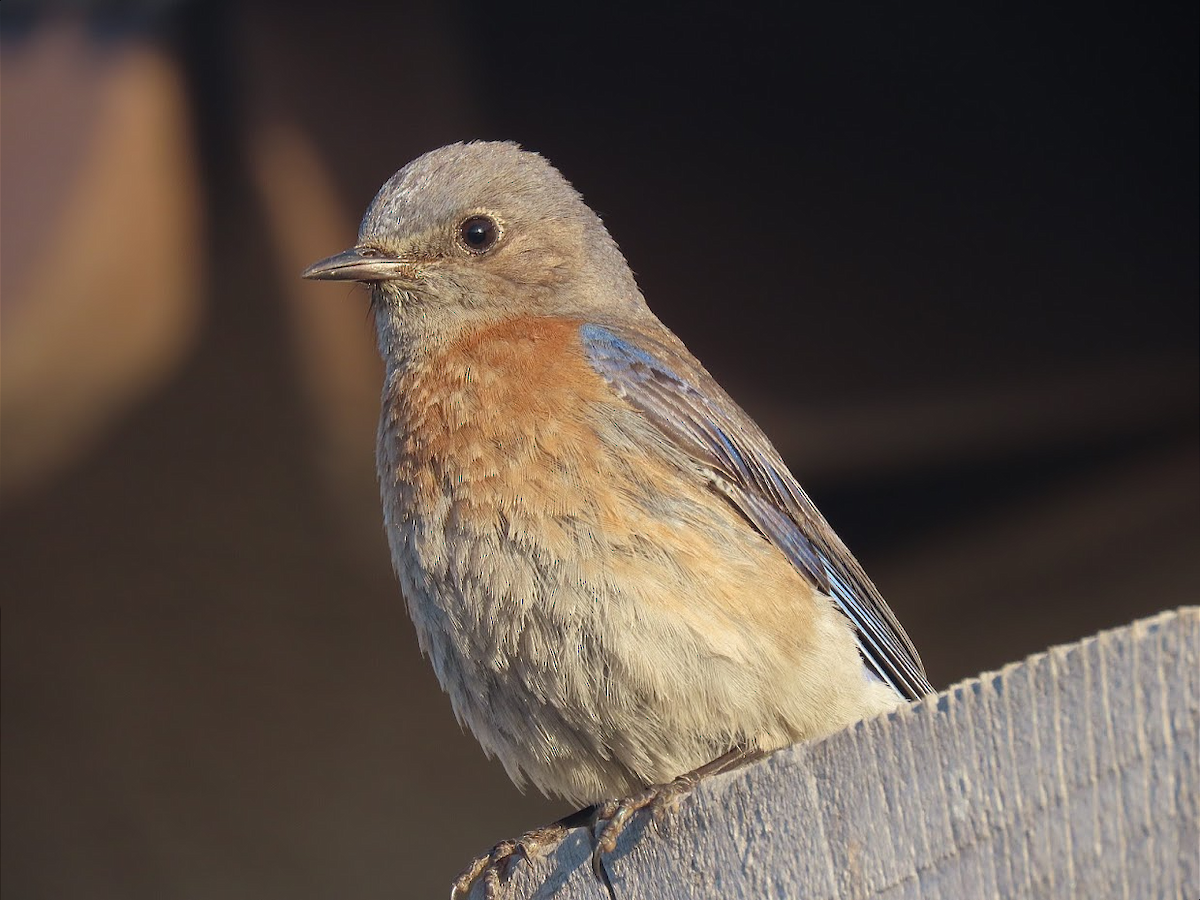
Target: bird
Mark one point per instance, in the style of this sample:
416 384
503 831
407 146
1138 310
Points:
614 574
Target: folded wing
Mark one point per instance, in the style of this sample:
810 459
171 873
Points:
691 410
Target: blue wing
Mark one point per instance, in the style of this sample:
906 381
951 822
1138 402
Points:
662 380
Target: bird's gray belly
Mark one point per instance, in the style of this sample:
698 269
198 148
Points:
554 656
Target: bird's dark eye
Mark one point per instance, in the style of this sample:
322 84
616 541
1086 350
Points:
479 233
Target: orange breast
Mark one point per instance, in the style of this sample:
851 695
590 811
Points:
502 420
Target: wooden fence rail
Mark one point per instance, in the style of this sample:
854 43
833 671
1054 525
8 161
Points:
1073 774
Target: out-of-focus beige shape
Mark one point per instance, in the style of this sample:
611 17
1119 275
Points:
334 335
101 290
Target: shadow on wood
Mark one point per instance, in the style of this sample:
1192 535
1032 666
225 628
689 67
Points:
1071 774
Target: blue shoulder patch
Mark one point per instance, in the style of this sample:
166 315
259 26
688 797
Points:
604 347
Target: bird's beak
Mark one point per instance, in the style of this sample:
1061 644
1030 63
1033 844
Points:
361 264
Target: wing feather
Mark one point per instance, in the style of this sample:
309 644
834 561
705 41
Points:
664 382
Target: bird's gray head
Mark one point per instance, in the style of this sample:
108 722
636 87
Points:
484 230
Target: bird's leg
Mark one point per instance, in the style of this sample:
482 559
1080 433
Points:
615 814
492 867
606 822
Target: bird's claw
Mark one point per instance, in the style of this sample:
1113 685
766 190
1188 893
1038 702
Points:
659 798
492 868
605 822
613 816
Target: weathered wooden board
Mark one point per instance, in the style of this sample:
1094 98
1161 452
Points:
1072 774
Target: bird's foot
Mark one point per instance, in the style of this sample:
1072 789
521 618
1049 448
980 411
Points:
659 799
493 867
605 821
613 816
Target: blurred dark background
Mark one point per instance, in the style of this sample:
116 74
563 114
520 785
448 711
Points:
946 255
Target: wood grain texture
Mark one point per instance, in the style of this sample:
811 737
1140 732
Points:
1071 774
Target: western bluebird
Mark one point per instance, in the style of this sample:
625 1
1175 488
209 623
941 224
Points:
614 574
